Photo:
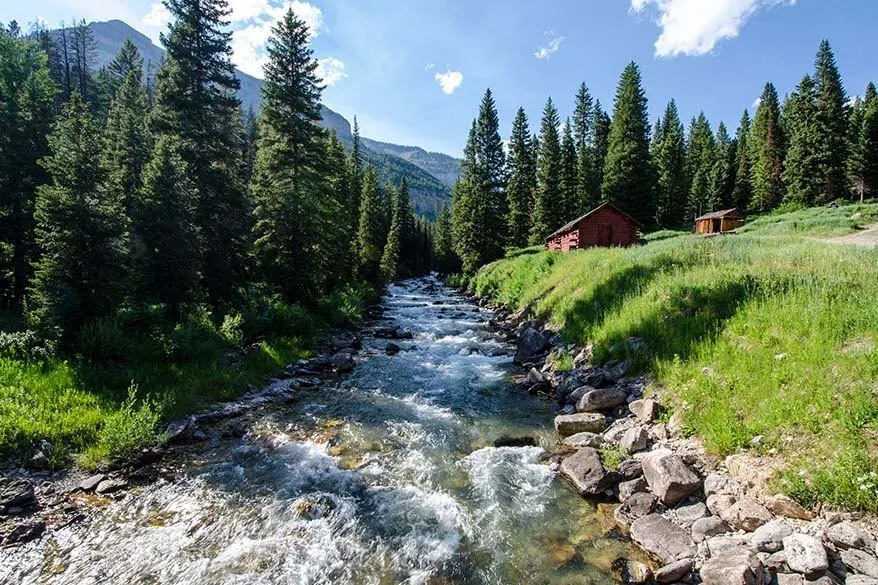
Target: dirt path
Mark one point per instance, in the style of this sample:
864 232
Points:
866 238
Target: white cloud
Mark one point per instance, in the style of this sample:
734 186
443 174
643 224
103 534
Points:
694 27
248 47
450 80
158 16
554 44
429 66
330 70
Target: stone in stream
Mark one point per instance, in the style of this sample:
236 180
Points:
628 488
637 572
391 349
733 566
506 441
662 538
805 554
583 422
584 440
530 344
673 572
587 473
669 477
744 514
342 362
19 493
109 486
90 483
24 532
638 505
600 399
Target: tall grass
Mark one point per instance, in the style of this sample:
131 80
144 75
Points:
749 334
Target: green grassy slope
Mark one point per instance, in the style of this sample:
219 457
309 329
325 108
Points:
762 333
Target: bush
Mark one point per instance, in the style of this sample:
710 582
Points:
26 346
126 431
232 329
195 339
103 340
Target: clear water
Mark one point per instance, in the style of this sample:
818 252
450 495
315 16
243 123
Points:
390 477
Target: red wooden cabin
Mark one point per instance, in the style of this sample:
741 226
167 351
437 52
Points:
719 221
606 226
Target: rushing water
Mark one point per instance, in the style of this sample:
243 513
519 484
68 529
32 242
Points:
388 477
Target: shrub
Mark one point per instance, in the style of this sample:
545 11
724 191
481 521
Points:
126 431
103 340
232 329
195 339
26 346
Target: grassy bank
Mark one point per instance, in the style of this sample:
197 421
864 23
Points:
136 371
764 333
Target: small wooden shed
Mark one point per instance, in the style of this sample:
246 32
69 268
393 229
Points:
606 226
718 222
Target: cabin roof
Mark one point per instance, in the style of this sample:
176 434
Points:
718 214
569 225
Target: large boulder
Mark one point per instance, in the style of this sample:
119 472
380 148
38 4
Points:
580 440
662 538
769 537
587 473
782 505
733 566
744 514
708 527
636 506
646 409
634 439
17 493
860 562
848 535
805 554
582 422
669 477
530 344
600 399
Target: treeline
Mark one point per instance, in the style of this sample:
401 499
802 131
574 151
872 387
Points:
122 193
815 147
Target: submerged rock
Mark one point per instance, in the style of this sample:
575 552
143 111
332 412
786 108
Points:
24 532
506 441
109 486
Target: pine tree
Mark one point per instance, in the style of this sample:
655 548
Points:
831 126
443 244
802 172
569 174
522 182
549 211
196 103
766 147
81 231
127 141
82 52
128 59
628 178
862 164
250 141
468 207
26 111
601 145
369 236
583 132
410 250
390 258
700 156
167 265
491 161
670 163
295 205
722 178
743 190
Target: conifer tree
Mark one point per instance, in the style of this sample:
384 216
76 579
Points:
195 102
26 111
700 157
601 145
628 178
670 161
294 203
722 178
390 258
410 251
249 140
831 126
468 207
369 236
126 144
80 273
766 148
863 145
549 204
167 264
802 171
743 190
522 182
491 161
569 174
583 132
443 245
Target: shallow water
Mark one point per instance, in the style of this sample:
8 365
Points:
389 477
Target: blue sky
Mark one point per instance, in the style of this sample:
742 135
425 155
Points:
413 71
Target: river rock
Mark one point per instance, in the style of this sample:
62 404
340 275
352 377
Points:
775 562
848 535
180 431
860 562
789 579
705 528
662 538
506 441
630 468
668 477
342 362
534 376
782 505
637 506
744 514
673 572
400 333
769 537
18 493
634 439
628 488
733 566
719 484
860 580
24 532
646 409
600 399
109 486
637 573
391 349
90 483
587 473
530 343
582 422
686 515
805 554
584 440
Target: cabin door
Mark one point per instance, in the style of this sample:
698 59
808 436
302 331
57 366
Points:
605 235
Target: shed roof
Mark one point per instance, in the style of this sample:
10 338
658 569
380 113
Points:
718 214
569 225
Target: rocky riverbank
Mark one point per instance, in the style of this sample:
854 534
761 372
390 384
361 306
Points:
699 518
